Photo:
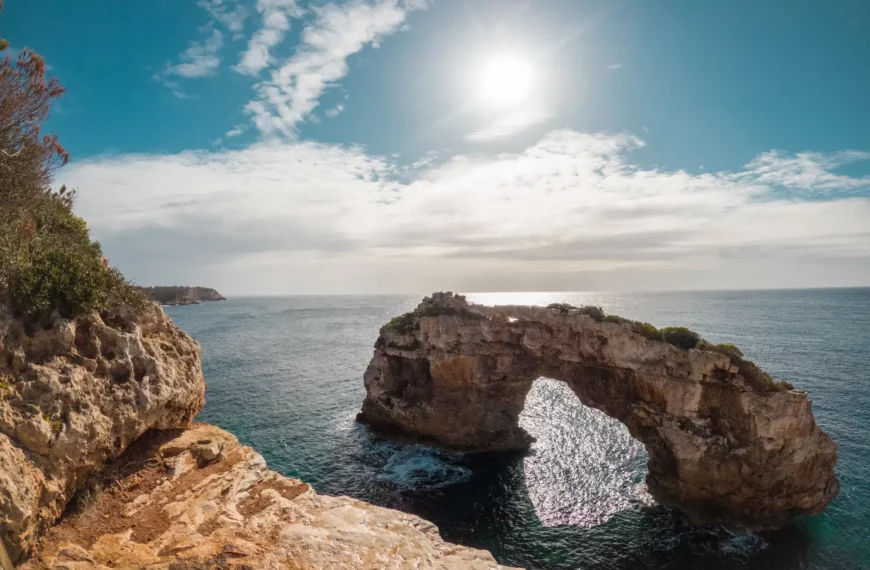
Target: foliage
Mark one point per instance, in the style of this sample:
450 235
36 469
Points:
437 311
403 324
596 313
47 260
681 337
647 330
723 348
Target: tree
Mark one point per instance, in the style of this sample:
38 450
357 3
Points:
48 262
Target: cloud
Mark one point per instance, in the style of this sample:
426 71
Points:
235 131
199 60
276 16
808 171
227 13
512 123
614 66
290 94
311 217
334 112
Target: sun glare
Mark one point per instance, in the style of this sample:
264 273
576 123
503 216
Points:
505 80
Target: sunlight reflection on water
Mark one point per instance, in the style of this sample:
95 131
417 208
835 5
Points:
585 467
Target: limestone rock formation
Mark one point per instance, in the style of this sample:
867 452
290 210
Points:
175 295
725 442
75 394
76 398
200 500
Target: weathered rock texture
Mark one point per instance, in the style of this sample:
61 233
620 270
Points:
73 399
723 445
75 395
195 499
176 295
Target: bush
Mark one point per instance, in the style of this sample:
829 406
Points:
403 324
47 260
723 348
681 337
647 330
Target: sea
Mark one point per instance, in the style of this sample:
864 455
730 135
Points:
285 374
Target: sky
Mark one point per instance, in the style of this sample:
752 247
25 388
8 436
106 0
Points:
407 146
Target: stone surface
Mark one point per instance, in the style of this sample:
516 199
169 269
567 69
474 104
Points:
724 445
195 499
75 395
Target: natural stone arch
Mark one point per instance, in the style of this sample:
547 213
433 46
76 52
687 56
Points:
725 443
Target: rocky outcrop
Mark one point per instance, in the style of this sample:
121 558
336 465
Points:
75 394
725 442
196 499
76 398
175 295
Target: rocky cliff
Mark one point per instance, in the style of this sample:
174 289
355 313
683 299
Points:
95 422
195 499
725 442
73 396
175 295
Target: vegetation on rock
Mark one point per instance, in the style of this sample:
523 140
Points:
48 261
403 324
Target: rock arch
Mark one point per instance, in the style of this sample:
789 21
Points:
725 442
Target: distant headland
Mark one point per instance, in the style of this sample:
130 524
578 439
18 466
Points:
178 295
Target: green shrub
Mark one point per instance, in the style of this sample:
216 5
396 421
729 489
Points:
647 330
723 348
48 262
615 319
403 324
681 337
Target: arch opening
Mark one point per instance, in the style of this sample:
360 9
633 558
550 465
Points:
584 466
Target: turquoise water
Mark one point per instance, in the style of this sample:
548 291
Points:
285 375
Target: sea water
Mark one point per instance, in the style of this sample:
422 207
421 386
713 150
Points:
285 375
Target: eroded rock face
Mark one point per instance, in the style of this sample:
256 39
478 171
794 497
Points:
76 395
723 446
195 499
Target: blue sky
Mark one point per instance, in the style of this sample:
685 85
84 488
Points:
279 146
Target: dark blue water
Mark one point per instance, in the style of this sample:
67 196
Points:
285 375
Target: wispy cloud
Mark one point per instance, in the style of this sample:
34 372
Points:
614 66
512 123
335 111
200 59
337 31
570 203
228 13
235 131
808 171
276 15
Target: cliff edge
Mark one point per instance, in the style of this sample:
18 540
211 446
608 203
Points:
726 442
95 431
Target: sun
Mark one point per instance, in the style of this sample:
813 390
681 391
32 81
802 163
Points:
506 80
